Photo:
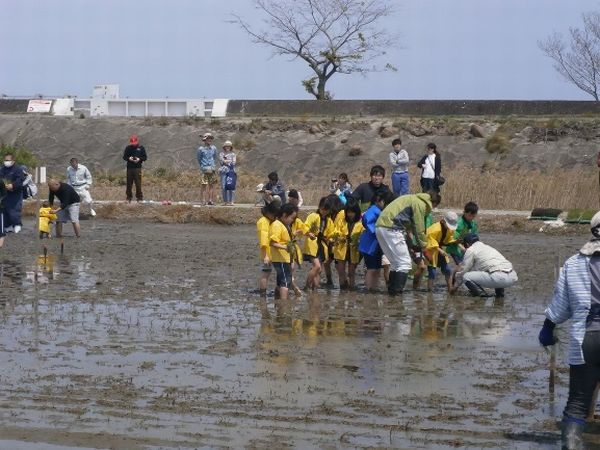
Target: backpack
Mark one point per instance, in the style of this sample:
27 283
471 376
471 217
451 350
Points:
230 181
30 189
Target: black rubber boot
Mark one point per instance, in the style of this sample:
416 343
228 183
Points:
392 283
401 278
475 289
572 434
499 292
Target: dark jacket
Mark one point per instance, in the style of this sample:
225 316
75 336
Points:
135 150
365 192
66 194
438 164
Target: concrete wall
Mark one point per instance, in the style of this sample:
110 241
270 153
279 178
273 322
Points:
407 107
382 107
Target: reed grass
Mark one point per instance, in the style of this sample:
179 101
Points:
492 189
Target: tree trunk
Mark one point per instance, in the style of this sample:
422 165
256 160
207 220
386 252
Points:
321 92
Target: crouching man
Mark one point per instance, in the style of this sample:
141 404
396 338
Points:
483 267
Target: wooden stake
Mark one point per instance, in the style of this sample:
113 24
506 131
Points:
62 247
45 253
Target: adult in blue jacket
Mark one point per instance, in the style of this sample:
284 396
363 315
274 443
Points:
577 297
13 176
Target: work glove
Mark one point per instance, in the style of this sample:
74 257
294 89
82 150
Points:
546 336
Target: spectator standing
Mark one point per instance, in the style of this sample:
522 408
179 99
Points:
398 158
431 169
228 160
577 297
69 205
135 155
2 215
80 178
13 177
365 192
207 159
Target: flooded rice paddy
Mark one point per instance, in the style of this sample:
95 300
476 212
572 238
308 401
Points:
147 336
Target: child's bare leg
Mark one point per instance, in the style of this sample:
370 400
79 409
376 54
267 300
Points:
341 270
283 293
351 275
295 287
328 273
263 282
58 229
417 275
386 273
371 278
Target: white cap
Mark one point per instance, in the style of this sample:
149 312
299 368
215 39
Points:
260 187
595 224
451 219
227 144
206 136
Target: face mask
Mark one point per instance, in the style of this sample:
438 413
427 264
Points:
8 163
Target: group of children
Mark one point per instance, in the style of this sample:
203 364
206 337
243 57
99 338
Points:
338 233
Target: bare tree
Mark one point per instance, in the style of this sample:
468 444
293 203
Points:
332 36
578 60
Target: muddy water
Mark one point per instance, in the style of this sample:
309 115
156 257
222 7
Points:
152 336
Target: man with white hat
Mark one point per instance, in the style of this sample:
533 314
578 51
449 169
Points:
483 267
577 297
438 236
207 159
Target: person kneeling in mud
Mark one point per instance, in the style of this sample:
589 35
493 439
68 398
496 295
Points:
283 247
483 267
439 235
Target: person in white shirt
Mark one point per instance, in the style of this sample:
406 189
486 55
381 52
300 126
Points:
80 178
431 169
483 266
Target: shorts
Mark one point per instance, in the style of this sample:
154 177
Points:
266 267
69 214
374 262
431 270
208 178
284 274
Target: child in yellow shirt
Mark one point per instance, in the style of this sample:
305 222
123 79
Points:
320 229
439 235
46 216
269 213
283 247
348 229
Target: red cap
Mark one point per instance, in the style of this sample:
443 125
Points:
133 139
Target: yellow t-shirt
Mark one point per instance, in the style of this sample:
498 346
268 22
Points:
264 242
313 225
434 241
346 241
279 234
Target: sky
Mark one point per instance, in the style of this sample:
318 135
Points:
448 49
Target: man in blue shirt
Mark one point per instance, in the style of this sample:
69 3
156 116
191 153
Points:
207 159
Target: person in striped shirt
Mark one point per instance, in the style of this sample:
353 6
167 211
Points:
577 297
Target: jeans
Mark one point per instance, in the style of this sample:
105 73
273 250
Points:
429 184
227 195
400 184
134 175
583 378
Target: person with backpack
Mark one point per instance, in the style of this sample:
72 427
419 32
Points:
228 160
13 177
80 178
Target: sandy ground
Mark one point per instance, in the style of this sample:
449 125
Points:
146 336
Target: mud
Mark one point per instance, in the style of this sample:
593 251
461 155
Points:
145 336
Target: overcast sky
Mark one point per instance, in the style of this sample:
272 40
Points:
449 49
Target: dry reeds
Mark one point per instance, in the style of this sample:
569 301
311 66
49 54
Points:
505 189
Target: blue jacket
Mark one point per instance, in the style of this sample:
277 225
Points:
368 241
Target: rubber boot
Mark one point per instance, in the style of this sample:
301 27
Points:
572 431
499 292
475 289
392 283
400 280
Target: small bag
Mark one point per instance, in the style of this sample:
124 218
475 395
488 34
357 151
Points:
230 181
440 180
